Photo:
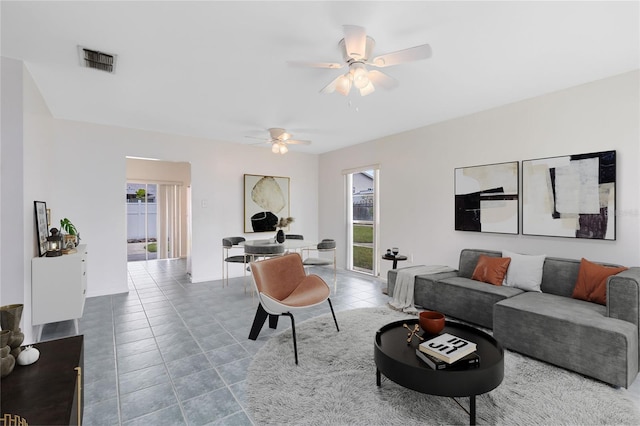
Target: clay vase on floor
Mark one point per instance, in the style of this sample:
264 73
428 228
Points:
10 316
7 361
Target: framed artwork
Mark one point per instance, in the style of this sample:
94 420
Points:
266 200
486 198
42 230
572 196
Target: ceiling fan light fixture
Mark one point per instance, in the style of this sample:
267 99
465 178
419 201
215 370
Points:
368 89
274 148
343 85
360 75
283 148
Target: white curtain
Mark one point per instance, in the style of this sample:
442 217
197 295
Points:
169 221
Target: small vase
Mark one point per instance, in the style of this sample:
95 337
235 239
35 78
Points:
10 316
280 236
7 361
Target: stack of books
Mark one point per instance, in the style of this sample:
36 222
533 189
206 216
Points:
447 351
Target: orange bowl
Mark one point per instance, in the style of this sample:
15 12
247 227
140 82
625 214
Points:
431 321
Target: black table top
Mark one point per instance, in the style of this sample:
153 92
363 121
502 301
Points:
397 360
392 257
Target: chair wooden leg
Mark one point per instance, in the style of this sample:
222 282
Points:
258 322
293 329
334 314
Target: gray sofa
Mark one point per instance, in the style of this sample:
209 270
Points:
591 339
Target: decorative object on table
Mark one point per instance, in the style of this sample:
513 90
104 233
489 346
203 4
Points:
41 226
486 198
413 332
395 251
10 316
448 347
54 243
283 223
265 199
7 361
72 236
470 361
431 321
389 252
28 355
570 196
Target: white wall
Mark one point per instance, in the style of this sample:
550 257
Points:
416 172
93 195
11 183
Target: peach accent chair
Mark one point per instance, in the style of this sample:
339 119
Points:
284 287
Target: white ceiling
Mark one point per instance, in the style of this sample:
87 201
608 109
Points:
218 70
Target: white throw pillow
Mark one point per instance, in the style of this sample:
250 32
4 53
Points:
525 271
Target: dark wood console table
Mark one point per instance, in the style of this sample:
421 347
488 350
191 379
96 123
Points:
50 391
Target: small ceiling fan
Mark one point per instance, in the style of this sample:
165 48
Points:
279 139
356 47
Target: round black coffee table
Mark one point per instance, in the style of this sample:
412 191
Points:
397 360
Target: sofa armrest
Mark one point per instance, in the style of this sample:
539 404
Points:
623 296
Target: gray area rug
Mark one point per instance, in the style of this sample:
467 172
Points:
335 383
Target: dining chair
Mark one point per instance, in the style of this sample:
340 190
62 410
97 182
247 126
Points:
283 288
324 246
228 244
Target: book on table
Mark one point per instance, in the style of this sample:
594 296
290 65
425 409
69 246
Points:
447 347
470 361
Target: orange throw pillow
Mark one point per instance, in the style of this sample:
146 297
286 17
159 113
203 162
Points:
491 269
592 281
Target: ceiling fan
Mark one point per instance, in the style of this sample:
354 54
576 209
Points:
279 139
356 47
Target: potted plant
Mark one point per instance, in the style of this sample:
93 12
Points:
282 223
72 237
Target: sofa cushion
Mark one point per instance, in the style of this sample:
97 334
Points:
469 260
491 269
469 300
525 271
570 333
592 281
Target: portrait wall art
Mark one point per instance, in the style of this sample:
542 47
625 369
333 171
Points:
572 196
486 198
266 200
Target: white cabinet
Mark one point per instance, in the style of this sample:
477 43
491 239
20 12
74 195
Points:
58 288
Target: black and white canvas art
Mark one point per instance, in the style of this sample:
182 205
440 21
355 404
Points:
266 200
486 198
572 196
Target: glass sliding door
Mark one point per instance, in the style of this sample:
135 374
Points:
142 221
362 220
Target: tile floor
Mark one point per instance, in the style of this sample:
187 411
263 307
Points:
174 353
170 352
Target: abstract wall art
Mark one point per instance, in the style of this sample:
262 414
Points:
486 198
572 196
266 200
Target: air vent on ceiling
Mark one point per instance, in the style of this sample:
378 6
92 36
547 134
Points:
97 60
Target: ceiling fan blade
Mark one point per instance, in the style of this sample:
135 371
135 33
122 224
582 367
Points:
407 55
381 79
331 87
298 142
253 137
332 65
355 41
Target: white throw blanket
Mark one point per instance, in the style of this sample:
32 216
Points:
405 283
